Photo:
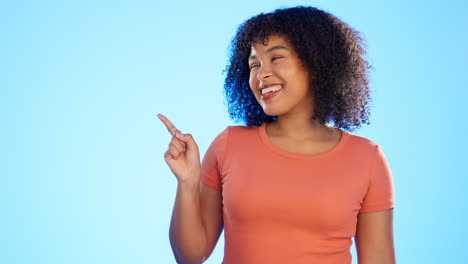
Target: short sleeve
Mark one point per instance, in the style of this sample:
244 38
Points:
211 167
380 195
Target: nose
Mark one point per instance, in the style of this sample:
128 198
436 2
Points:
264 72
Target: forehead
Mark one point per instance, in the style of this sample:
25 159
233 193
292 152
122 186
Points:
269 42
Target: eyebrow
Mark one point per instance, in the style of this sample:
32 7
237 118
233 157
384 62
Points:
252 57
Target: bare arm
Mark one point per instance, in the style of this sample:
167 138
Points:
196 223
374 238
187 231
212 214
197 215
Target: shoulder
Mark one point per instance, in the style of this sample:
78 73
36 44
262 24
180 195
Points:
361 141
233 131
237 132
362 145
231 137
234 137
242 129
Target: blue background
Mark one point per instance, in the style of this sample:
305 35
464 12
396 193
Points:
83 178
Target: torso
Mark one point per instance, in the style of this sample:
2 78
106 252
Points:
287 207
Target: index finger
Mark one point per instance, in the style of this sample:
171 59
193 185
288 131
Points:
170 127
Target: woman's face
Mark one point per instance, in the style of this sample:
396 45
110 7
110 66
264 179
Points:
278 78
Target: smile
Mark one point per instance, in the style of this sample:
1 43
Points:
271 89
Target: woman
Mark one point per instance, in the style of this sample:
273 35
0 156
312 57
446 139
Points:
291 186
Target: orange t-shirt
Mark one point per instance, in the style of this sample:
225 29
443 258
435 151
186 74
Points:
282 207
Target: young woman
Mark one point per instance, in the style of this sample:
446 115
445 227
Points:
292 186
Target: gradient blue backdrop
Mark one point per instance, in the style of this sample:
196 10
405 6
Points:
83 178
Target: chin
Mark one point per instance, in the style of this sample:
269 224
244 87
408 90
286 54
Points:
273 112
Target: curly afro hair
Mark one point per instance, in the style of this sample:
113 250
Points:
332 51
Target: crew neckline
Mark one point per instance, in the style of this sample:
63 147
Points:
267 142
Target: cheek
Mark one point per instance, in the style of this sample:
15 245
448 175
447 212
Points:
251 80
253 83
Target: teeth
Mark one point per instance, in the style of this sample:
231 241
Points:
271 89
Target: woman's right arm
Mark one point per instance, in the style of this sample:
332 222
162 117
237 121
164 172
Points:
197 215
196 223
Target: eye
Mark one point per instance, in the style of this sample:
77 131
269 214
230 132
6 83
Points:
253 66
276 58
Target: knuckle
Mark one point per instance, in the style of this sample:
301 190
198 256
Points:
176 145
172 146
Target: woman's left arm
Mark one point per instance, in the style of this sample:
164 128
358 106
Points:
374 238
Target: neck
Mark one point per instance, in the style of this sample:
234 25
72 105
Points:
297 127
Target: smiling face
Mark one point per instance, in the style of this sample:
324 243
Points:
278 78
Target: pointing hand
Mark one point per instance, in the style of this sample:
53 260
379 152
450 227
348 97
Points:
182 155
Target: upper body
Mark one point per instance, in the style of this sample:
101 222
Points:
292 186
284 207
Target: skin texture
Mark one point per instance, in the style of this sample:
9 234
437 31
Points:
277 63
374 238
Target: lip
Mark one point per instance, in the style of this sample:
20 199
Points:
269 85
269 95
272 94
